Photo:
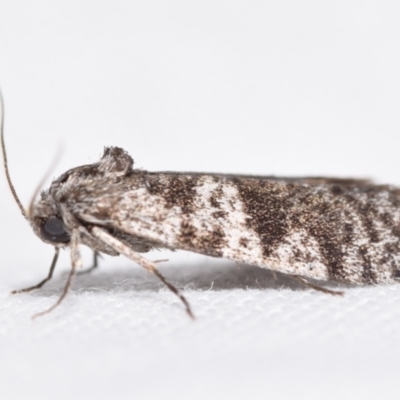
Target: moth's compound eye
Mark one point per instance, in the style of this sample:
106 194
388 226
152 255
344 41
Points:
53 230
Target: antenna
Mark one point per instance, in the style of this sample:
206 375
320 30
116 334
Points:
43 181
5 163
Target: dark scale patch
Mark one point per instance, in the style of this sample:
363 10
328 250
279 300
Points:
369 214
348 228
396 231
348 233
396 274
177 190
209 243
367 274
321 216
243 242
265 204
299 256
336 190
392 250
217 194
387 257
214 201
394 196
219 214
331 248
387 219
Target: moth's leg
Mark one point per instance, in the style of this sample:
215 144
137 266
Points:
122 248
76 262
96 256
305 282
49 276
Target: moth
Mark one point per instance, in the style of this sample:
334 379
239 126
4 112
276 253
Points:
327 229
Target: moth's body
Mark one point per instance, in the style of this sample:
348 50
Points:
319 228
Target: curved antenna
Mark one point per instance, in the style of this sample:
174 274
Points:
43 181
5 162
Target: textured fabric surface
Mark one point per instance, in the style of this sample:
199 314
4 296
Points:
121 335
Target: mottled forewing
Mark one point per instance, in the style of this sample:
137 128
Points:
340 230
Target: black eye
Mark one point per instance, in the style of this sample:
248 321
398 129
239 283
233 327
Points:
53 230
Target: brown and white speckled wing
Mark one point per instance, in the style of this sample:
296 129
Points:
340 230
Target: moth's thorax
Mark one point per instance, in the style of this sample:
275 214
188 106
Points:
87 196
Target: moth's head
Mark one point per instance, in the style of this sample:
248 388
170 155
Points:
49 217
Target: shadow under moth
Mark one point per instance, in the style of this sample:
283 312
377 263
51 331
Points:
328 229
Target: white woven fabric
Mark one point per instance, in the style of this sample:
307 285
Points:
120 335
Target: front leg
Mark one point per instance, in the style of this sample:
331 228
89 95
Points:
76 262
49 276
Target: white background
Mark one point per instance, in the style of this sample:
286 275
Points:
263 87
